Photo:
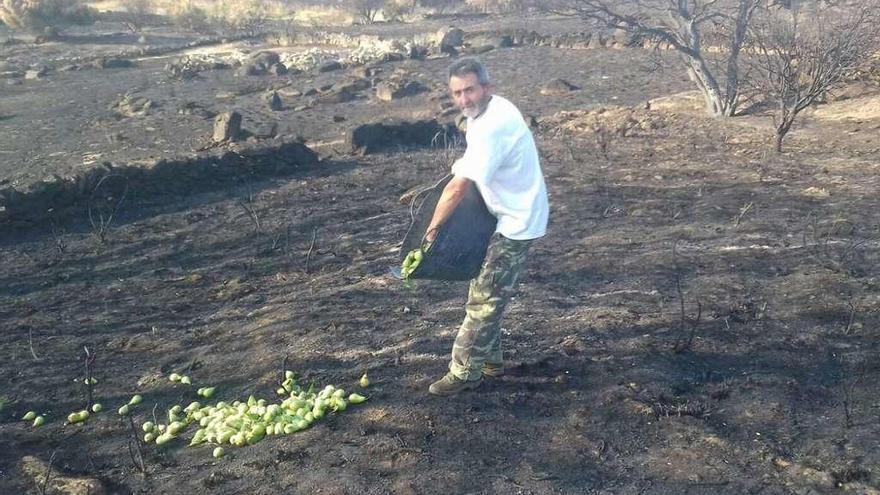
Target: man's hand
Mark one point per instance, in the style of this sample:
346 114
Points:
449 200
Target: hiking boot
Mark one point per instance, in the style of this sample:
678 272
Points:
492 370
451 385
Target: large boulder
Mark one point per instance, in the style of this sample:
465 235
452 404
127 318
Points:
449 39
330 66
274 101
227 127
37 73
259 64
265 59
620 39
396 89
278 69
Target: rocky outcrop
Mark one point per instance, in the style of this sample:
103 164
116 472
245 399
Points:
133 105
263 63
397 89
450 39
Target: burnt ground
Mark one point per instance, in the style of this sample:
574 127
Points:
701 318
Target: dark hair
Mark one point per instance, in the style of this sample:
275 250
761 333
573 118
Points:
469 65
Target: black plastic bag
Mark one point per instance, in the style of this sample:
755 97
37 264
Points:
459 248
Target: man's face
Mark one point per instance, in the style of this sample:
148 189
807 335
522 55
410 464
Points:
469 95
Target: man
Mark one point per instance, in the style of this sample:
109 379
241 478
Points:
502 161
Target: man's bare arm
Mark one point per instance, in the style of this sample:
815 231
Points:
449 199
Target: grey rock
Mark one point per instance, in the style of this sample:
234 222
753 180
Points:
227 127
278 69
329 66
38 73
274 101
450 39
395 90
132 105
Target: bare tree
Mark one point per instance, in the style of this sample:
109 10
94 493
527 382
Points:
801 54
137 13
367 10
692 28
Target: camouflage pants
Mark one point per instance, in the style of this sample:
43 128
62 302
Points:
479 337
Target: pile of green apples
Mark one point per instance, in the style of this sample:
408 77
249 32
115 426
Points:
235 423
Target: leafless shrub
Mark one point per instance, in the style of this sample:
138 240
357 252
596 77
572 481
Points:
603 138
803 54
104 203
246 17
137 13
88 380
849 374
366 10
665 408
135 440
45 483
396 10
281 238
186 15
742 213
689 28
835 245
248 204
59 239
686 336
31 344
311 249
450 143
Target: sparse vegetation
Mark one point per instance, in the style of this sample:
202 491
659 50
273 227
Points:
187 15
440 7
137 14
801 54
367 10
34 15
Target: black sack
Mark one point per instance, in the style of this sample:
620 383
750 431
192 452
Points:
459 249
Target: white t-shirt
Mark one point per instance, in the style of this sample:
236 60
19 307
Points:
502 160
